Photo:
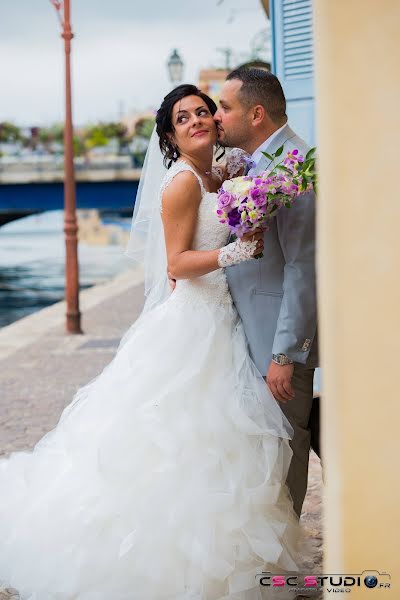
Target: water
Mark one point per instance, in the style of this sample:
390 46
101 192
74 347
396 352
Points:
32 264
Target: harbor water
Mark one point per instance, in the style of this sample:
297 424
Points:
32 258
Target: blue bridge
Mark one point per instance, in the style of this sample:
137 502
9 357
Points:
24 194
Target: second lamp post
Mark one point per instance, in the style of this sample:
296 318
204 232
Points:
175 68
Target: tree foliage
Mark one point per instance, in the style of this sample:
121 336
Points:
9 132
144 127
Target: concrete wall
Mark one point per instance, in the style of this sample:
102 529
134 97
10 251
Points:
358 126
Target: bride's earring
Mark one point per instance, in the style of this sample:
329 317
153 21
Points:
175 153
172 148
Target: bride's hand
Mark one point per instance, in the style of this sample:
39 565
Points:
172 281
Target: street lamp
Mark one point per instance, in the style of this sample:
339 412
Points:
175 67
73 315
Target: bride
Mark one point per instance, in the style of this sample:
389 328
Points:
164 477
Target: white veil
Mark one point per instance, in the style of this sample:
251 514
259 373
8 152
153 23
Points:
146 244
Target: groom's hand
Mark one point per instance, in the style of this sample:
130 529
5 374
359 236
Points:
257 235
279 379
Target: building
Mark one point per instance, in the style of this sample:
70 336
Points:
211 81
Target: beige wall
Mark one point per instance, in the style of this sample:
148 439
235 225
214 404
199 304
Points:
358 124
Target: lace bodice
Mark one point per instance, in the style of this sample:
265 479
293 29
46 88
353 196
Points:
209 235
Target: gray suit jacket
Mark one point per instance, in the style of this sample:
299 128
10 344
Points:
276 295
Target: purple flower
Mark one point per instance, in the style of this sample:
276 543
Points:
234 217
290 164
292 159
240 230
258 196
288 187
225 199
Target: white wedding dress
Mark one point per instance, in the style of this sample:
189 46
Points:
164 477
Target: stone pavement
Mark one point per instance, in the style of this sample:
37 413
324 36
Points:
41 368
312 522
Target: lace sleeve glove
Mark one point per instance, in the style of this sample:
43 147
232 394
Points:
236 252
237 160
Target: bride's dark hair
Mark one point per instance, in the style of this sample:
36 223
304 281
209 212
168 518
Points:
164 126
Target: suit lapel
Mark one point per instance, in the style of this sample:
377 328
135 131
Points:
283 136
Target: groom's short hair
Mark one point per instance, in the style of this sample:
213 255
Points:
260 86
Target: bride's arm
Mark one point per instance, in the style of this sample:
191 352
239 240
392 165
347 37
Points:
180 203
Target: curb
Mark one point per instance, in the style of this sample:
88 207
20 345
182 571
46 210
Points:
29 329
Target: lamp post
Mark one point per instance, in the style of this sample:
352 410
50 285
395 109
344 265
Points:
265 4
175 67
73 315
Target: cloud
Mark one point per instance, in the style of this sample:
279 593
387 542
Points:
119 53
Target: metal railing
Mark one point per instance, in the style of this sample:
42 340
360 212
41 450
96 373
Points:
49 163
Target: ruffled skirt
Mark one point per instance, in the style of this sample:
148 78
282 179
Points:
164 478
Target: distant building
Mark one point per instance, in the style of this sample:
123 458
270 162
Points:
211 81
131 120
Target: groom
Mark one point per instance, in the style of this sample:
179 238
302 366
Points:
276 296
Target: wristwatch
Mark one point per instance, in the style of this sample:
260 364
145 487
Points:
281 359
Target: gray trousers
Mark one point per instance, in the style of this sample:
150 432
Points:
298 412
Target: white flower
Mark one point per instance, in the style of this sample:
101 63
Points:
228 185
241 186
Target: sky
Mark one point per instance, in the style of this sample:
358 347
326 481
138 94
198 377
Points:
120 51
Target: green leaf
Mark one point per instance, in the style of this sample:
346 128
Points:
279 151
268 155
308 165
282 168
310 153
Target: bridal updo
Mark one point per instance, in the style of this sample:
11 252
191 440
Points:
164 125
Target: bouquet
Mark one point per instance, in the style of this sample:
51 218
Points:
247 203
